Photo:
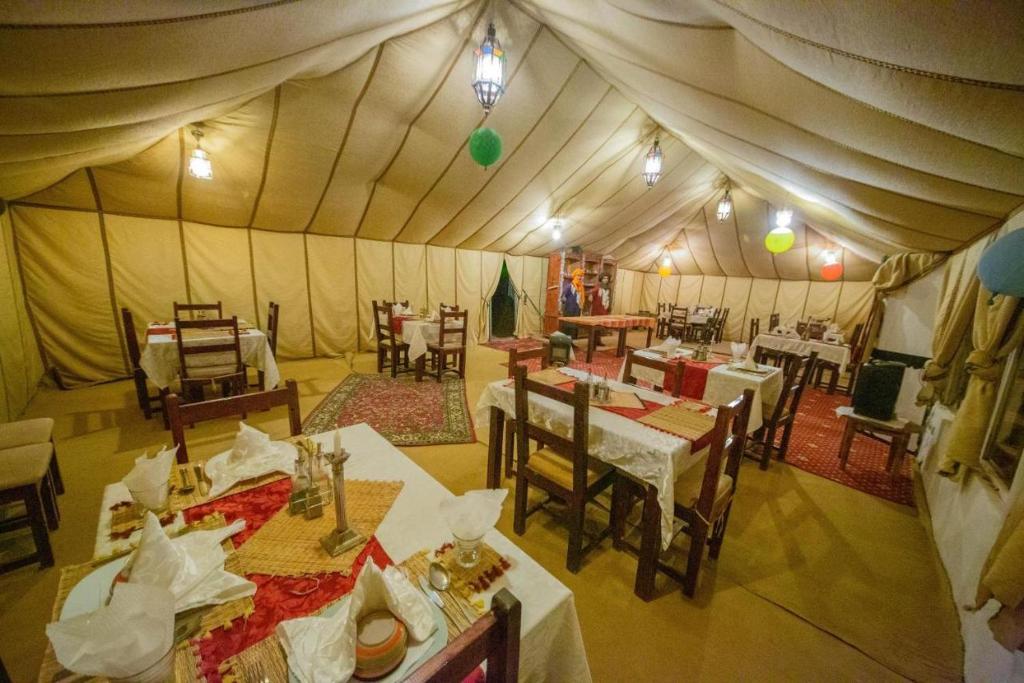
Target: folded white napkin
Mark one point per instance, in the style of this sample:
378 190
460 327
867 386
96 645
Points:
668 346
120 639
474 513
738 349
252 455
148 480
398 309
323 649
748 363
190 566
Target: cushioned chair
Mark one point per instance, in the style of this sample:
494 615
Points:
451 343
493 638
33 431
672 372
147 402
561 467
25 478
515 359
217 361
392 353
796 371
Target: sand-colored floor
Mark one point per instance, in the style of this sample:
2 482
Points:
816 581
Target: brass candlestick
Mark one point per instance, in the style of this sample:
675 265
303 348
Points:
343 537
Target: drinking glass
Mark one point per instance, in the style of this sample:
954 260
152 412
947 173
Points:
467 551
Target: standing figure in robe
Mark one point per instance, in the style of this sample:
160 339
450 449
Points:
601 296
573 294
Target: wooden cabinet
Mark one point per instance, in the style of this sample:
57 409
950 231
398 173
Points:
561 265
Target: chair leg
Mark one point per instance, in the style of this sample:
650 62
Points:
510 441
715 546
522 490
141 394
37 520
834 381
462 364
49 500
766 447
784 444
577 512
698 539
58 480
621 503
380 359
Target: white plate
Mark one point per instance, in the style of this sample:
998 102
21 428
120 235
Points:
93 591
416 654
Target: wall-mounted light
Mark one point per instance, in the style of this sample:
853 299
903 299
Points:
199 164
489 75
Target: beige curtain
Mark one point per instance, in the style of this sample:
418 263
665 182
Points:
1002 578
902 269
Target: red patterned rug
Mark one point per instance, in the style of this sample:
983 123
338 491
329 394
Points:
405 412
814 448
523 344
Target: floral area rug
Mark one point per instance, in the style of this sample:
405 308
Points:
814 448
522 344
403 411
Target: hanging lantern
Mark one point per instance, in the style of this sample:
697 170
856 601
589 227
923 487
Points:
199 164
652 164
724 207
489 76
999 268
665 269
779 240
556 229
783 217
832 269
485 146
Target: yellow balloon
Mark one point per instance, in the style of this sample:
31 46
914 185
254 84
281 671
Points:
779 240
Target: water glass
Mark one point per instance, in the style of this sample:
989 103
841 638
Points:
467 551
162 671
153 498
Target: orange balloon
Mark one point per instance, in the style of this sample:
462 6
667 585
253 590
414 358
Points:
832 271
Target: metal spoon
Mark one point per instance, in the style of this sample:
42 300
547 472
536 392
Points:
439 576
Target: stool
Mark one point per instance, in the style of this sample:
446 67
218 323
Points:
36 430
25 477
897 429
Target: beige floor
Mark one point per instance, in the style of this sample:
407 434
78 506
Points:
816 581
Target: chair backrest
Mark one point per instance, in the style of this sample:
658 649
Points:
131 338
201 309
796 371
679 315
450 328
673 372
493 638
725 450
273 318
575 448
209 352
755 329
383 322
405 304
816 329
720 325
444 307
180 414
516 356
773 321
856 343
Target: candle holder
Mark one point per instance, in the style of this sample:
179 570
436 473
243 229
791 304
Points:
343 537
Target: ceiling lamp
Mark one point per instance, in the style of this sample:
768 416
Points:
489 76
832 269
783 217
724 207
665 269
199 165
652 164
556 229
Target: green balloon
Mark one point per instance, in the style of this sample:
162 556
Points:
485 146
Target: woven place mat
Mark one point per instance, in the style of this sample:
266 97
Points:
211 332
267 658
185 663
550 376
619 399
289 545
180 500
681 420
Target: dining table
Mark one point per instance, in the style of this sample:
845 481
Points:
418 332
595 324
160 354
551 642
652 457
838 354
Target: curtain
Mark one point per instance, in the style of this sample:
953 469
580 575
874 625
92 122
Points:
902 269
1002 578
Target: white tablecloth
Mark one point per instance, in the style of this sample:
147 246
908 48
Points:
418 333
650 455
160 357
725 384
552 645
834 353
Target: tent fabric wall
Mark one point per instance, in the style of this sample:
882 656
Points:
847 303
20 364
81 267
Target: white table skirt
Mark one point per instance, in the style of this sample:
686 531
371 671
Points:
648 454
160 357
552 644
418 333
834 353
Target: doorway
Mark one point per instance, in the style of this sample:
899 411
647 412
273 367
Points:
503 307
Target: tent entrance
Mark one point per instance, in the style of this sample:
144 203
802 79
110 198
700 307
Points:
503 307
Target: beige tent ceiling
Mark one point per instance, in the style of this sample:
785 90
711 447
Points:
889 126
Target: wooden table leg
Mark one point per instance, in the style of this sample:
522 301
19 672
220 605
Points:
494 449
421 366
620 348
650 545
591 343
847 442
650 330
898 451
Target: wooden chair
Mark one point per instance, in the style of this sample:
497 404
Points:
562 466
755 329
664 313
26 477
677 325
493 638
451 341
856 359
515 359
36 430
797 370
766 356
445 307
273 319
816 329
702 499
147 402
392 352
773 321
720 324
673 372
181 414
201 309
216 361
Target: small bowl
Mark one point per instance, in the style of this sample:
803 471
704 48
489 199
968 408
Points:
381 644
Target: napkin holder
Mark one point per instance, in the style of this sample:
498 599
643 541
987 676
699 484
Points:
702 352
343 537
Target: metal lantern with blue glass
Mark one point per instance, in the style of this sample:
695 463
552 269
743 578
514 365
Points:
489 75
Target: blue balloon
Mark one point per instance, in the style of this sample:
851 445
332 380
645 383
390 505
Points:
1000 268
